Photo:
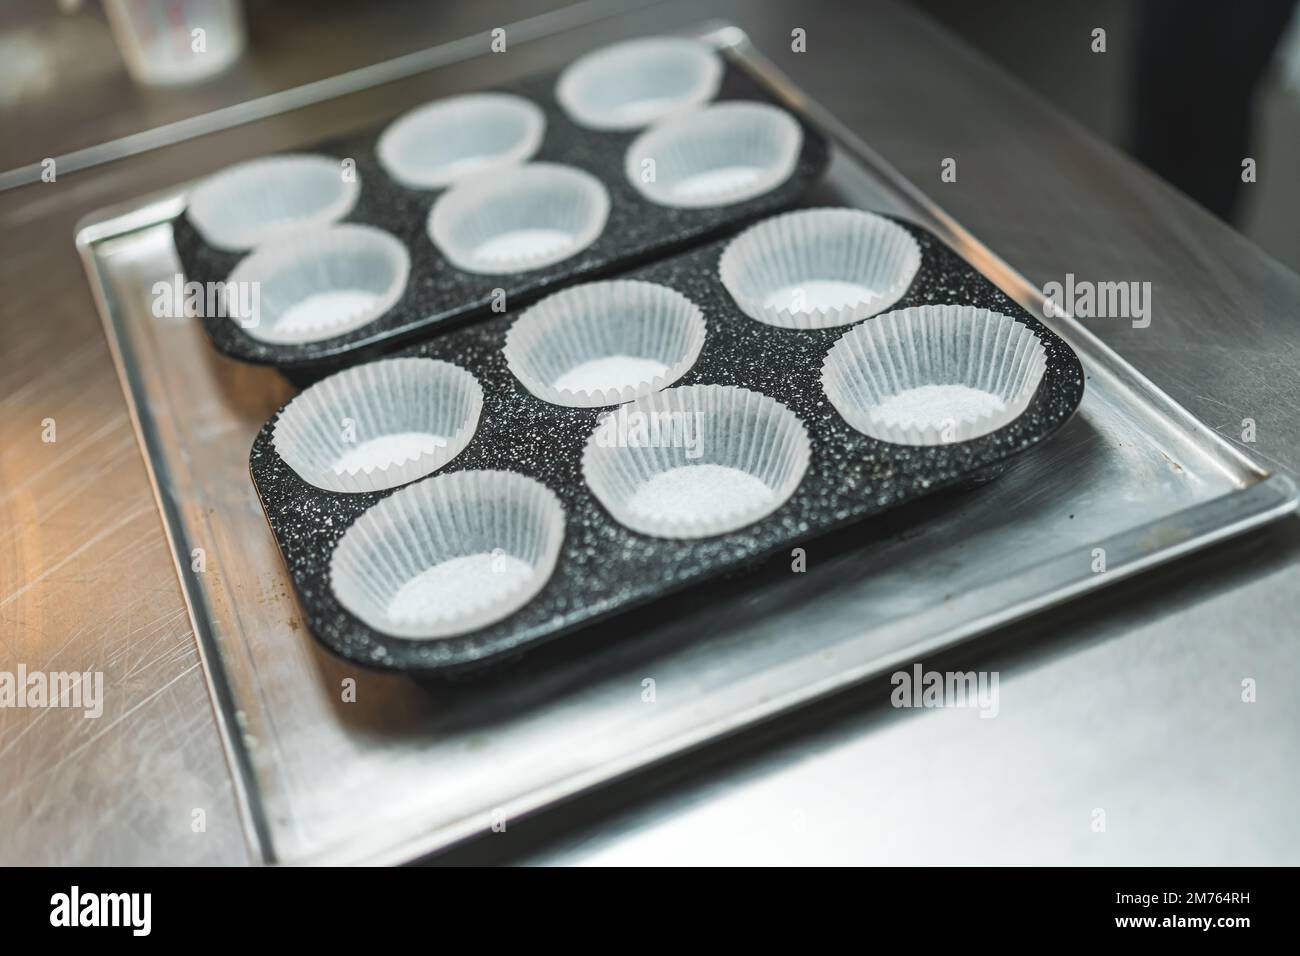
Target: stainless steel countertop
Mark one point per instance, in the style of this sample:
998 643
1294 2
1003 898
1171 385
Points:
1129 701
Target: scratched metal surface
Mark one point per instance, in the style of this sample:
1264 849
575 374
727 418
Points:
430 766
87 584
87 580
85 575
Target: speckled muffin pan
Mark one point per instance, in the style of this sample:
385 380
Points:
603 566
440 296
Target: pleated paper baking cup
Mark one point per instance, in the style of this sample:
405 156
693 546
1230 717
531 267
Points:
715 156
438 143
537 215
450 554
934 375
261 200
696 461
638 82
603 343
819 268
318 285
379 425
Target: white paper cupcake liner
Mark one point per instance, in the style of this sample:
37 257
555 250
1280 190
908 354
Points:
696 461
450 554
322 284
448 140
261 200
638 82
819 268
379 425
715 156
533 216
603 343
934 375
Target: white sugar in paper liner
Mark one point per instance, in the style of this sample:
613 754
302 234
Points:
934 374
714 156
449 139
319 285
638 82
261 200
696 461
819 268
379 425
533 216
602 343
450 554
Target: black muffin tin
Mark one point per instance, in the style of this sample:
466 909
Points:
605 568
439 296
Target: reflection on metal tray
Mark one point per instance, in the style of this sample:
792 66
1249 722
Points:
605 568
403 771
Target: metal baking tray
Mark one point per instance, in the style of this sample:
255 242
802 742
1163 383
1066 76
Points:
402 771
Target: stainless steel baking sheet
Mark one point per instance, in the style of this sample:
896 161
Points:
403 770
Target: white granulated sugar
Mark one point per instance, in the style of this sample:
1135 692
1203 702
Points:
324 309
522 244
613 371
458 585
815 294
933 405
694 492
387 450
711 182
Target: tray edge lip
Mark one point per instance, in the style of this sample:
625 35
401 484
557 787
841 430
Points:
255 827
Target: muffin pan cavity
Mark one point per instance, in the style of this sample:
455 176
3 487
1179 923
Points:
632 84
319 284
379 425
716 156
602 343
934 375
696 461
441 142
540 214
819 268
269 198
450 554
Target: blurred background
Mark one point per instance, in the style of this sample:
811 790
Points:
1188 87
